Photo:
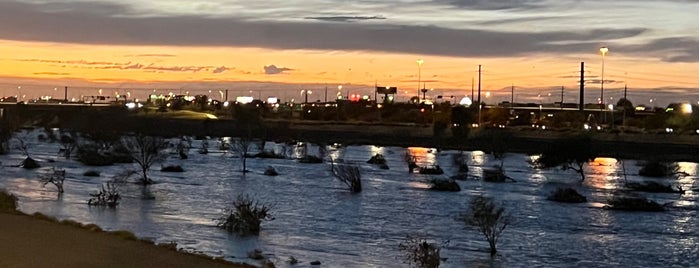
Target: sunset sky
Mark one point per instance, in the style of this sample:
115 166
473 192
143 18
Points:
281 47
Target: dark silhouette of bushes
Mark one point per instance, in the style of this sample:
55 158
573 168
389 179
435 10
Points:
244 216
445 185
653 187
420 253
634 203
173 168
658 169
567 195
348 174
570 153
109 196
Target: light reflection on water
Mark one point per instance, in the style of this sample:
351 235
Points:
317 219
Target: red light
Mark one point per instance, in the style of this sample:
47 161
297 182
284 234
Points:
422 110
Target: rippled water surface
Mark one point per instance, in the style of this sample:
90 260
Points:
316 218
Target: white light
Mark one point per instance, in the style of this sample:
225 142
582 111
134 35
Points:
131 105
225 104
466 101
686 108
272 100
244 99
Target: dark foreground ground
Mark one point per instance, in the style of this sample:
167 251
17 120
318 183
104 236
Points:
29 241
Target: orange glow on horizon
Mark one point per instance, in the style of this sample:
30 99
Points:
147 64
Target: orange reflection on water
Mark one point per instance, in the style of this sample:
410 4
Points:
603 173
423 156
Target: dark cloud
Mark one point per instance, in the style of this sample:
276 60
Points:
675 49
152 55
496 4
221 69
51 73
73 24
271 69
74 62
129 66
345 18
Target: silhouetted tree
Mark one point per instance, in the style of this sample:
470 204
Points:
570 152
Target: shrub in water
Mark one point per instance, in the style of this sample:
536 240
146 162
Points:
244 216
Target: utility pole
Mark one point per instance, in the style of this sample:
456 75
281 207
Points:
326 93
65 94
480 106
582 86
472 81
512 98
562 97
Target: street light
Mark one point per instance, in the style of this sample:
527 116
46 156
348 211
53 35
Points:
419 63
603 51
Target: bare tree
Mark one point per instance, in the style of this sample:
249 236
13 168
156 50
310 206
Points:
348 174
489 218
145 151
55 177
242 146
69 142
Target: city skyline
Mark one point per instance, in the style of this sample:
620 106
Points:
534 45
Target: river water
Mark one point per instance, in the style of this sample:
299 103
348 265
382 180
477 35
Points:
316 218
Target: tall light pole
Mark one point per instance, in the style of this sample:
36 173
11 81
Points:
603 51
419 63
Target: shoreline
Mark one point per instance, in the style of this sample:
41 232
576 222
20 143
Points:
42 241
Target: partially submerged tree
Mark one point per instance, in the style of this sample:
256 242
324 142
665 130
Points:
244 216
490 219
145 151
348 174
55 177
419 253
569 153
109 196
69 142
242 146
23 145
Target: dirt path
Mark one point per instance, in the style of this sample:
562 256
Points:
26 241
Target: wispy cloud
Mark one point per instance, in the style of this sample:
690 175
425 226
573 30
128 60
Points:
221 69
345 18
272 69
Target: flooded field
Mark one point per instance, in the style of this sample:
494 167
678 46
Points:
317 218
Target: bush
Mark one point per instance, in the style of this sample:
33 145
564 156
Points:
419 253
8 202
105 197
431 170
496 174
634 204
348 174
658 169
445 184
490 219
91 173
567 195
174 168
377 159
244 216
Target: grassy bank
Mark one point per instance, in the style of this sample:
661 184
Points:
42 241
